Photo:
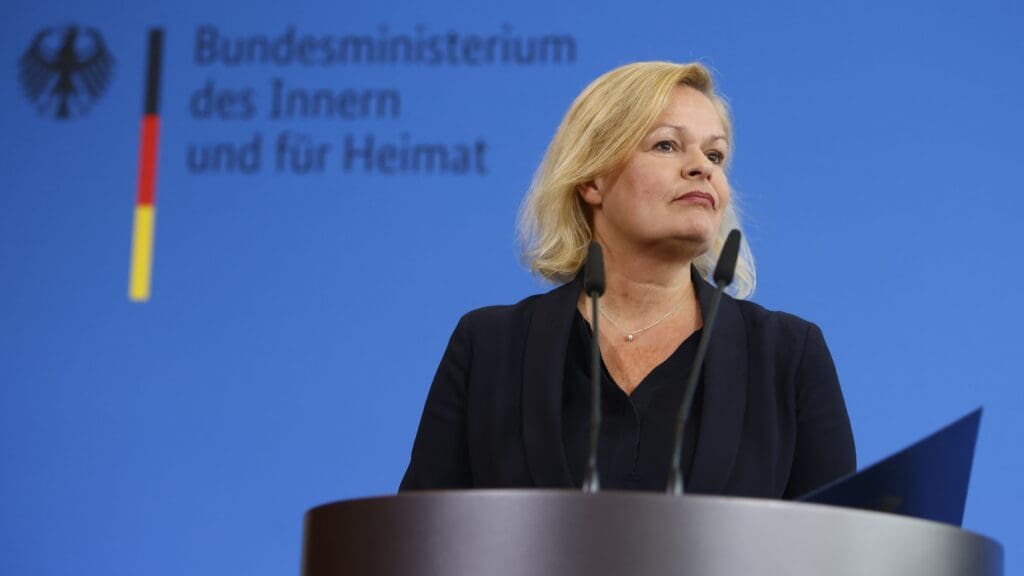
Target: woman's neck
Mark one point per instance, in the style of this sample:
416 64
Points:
641 287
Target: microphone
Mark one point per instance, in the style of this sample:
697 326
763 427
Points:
593 285
723 276
726 268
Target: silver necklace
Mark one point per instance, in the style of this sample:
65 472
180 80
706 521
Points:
632 334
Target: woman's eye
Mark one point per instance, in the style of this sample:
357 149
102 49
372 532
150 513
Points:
716 157
665 146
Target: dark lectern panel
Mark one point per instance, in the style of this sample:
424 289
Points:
497 533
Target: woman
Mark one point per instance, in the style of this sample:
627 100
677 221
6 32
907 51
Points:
637 165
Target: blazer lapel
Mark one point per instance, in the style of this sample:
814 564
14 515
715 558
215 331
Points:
547 341
725 394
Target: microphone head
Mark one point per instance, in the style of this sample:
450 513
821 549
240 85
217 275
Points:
726 268
593 271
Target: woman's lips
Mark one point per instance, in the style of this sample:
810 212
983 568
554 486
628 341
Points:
697 197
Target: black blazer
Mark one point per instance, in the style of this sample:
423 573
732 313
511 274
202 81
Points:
773 420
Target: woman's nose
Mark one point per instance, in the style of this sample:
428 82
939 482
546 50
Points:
697 165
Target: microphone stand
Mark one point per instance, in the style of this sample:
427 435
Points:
593 284
723 276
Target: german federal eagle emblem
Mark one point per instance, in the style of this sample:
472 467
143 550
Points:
65 71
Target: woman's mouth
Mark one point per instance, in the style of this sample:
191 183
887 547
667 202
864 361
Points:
697 197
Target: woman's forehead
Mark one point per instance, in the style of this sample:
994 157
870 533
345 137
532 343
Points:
691 112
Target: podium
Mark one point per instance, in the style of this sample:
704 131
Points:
568 533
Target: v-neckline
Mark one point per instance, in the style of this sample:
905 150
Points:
670 360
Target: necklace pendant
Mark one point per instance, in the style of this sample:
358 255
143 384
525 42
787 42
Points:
629 337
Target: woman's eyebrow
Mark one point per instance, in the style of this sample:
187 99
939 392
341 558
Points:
684 130
716 137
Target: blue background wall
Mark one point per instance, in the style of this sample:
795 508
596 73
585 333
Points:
878 160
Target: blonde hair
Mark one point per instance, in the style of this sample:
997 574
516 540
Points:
601 129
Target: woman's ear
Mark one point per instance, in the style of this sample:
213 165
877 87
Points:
590 192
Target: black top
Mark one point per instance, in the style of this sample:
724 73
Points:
772 419
635 447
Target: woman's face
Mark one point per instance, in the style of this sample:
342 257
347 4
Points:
672 190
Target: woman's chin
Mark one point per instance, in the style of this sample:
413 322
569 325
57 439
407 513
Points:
698 231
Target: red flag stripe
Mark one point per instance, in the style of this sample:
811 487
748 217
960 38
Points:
147 160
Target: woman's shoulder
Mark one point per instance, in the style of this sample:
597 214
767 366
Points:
521 312
761 321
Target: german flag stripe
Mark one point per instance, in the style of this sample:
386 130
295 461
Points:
142 253
154 65
147 160
144 226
